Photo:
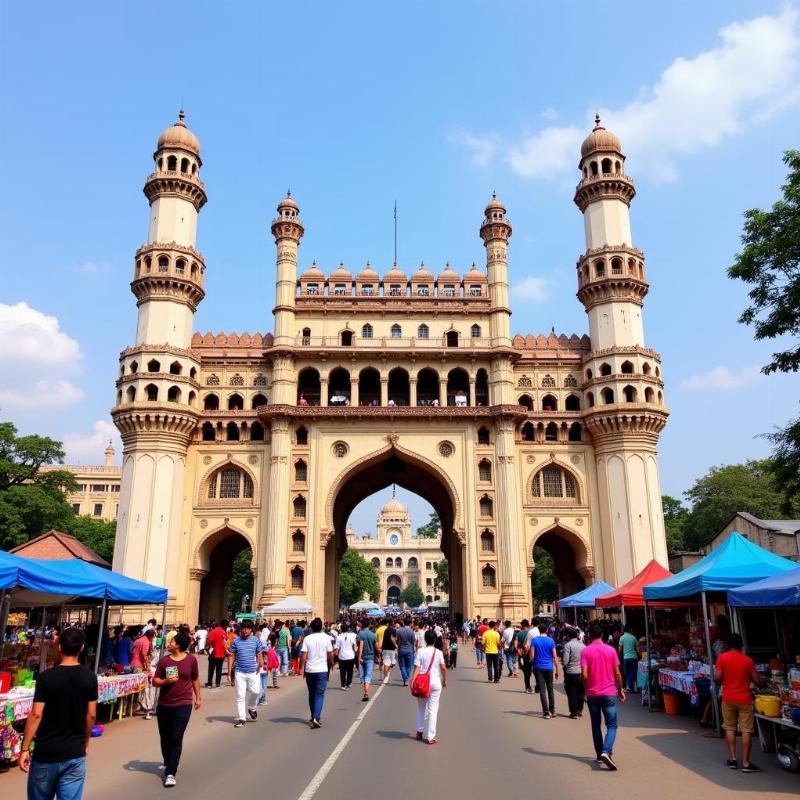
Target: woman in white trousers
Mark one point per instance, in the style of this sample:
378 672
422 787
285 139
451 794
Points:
429 660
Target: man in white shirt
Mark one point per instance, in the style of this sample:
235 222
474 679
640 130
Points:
508 649
316 659
200 634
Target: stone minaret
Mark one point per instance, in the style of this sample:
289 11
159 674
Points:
287 230
157 387
623 388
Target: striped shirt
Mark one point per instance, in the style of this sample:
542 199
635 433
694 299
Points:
246 651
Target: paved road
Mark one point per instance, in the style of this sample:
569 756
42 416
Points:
493 742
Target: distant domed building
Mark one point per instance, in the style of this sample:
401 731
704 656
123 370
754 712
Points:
400 556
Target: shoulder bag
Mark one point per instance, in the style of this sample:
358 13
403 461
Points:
421 685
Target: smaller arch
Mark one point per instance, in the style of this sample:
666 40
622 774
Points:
180 266
588 374
300 471
600 268
483 435
646 368
389 562
572 403
396 331
526 400
211 402
616 266
527 433
486 506
658 372
648 394
451 337
154 365
593 168
346 338
305 336
608 396
172 163
376 562
626 368
184 165
413 563
232 432
298 542
398 563
174 394
660 398
258 400
193 373
487 541
475 331
208 432
553 481
151 392
605 369
130 394
423 331
485 470
366 331
606 166
163 264
551 432
301 436
134 367
299 507
175 368
235 402
575 432
590 399
488 577
549 403
298 577
256 432
630 394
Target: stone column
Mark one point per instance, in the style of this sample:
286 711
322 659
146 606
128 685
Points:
412 387
507 515
384 391
323 391
354 391
442 391
472 390
277 512
193 595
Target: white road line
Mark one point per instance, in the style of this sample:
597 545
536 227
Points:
316 781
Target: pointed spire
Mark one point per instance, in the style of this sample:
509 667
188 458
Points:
181 117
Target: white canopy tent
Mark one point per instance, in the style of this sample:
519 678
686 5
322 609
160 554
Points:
294 604
364 605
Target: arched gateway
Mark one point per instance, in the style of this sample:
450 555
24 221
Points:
268 442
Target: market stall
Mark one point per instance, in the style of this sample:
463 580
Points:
585 598
778 711
292 605
736 562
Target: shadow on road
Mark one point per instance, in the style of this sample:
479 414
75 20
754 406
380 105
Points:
221 718
523 713
396 735
286 720
590 762
150 767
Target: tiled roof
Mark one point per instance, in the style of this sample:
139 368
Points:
58 546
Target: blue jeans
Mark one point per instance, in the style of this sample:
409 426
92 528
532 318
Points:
607 706
365 670
479 653
62 779
630 667
264 676
406 661
511 661
317 682
283 655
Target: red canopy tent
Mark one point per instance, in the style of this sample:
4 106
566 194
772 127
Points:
632 592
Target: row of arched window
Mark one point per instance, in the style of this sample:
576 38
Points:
606 166
396 563
232 432
601 268
552 432
630 394
322 288
154 365
151 395
431 389
171 163
625 368
234 402
449 339
550 402
165 265
301 436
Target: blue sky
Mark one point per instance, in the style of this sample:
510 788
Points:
355 105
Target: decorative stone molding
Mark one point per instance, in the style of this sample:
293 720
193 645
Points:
608 186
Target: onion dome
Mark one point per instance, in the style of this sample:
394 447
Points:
288 202
494 203
178 135
340 273
449 274
394 506
395 274
422 274
313 272
475 274
600 140
367 274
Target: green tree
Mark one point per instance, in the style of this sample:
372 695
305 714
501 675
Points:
357 576
412 595
675 516
770 263
543 583
241 582
430 530
723 491
441 580
96 534
31 501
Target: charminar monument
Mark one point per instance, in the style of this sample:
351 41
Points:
373 376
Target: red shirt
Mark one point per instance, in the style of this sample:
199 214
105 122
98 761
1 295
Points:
215 644
736 669
481 630
140 654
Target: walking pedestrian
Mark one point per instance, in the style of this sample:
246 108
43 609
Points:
406 646
491 648
60 722
246 658
141 656
346 655
734 670
453 654
284 640
603 683
388 650
200 636
509 650
178 677
479 651
628 646
316 659
573 681
525 665
366 657
429 660
297 633
216 644
545 667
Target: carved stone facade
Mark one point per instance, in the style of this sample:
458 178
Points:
269 441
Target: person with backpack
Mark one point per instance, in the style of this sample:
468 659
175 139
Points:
427 681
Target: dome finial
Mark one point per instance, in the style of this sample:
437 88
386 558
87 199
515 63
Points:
181 117
597 120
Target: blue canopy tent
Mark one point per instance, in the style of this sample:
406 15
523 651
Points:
781 590
586 597
735 563
9 575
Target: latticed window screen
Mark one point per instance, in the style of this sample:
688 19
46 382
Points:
230 481
554 482
300 507
569 486
487 542
423 331
486 507
230 484
551 480
484 471
297 578
487 575
298 542
549 382
212 486
300 471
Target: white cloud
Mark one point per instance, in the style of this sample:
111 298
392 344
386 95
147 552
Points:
35 358
749 77
89 448
536 290
483 148
723 378
94 267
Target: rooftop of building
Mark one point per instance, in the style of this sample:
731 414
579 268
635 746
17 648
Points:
58 546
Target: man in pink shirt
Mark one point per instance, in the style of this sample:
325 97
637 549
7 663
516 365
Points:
141 655
603 683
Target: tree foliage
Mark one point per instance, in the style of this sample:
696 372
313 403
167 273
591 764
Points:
724 490
430 530
357 576
441 580
770 263
544 583
675 516
241 582
96 534
412 595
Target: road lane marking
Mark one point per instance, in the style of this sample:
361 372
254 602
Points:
316 781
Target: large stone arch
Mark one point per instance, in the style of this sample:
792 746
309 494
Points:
571 553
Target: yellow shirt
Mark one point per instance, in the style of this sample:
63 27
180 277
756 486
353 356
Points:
491 642
379 633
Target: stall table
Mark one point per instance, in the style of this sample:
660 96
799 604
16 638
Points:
681 681
768 728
